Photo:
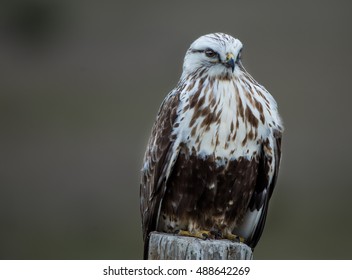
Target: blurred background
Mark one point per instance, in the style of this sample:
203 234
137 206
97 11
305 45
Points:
80 86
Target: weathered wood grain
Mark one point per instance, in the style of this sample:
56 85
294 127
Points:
164 246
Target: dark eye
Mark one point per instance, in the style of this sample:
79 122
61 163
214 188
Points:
210 53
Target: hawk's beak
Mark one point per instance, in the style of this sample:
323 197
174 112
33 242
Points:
230 62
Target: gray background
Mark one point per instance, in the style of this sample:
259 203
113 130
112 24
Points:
80 85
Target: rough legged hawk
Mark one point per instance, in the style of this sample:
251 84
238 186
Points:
213 156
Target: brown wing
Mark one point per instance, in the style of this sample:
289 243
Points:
270 158
156 164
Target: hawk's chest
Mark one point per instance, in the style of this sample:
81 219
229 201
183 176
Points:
219 121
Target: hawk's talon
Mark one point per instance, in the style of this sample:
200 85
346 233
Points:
210 234
202 234
234 237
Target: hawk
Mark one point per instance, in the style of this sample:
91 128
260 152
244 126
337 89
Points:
213 156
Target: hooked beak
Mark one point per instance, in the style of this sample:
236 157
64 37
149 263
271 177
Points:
230 62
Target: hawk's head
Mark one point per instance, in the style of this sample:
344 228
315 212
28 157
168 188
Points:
218 53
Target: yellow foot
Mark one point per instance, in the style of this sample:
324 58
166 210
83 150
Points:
233 237
202 234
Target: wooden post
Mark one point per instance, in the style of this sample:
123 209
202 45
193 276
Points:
164 246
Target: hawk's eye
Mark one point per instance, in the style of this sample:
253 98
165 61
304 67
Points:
210 53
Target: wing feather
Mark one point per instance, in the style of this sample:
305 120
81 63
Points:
156 166
271 156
